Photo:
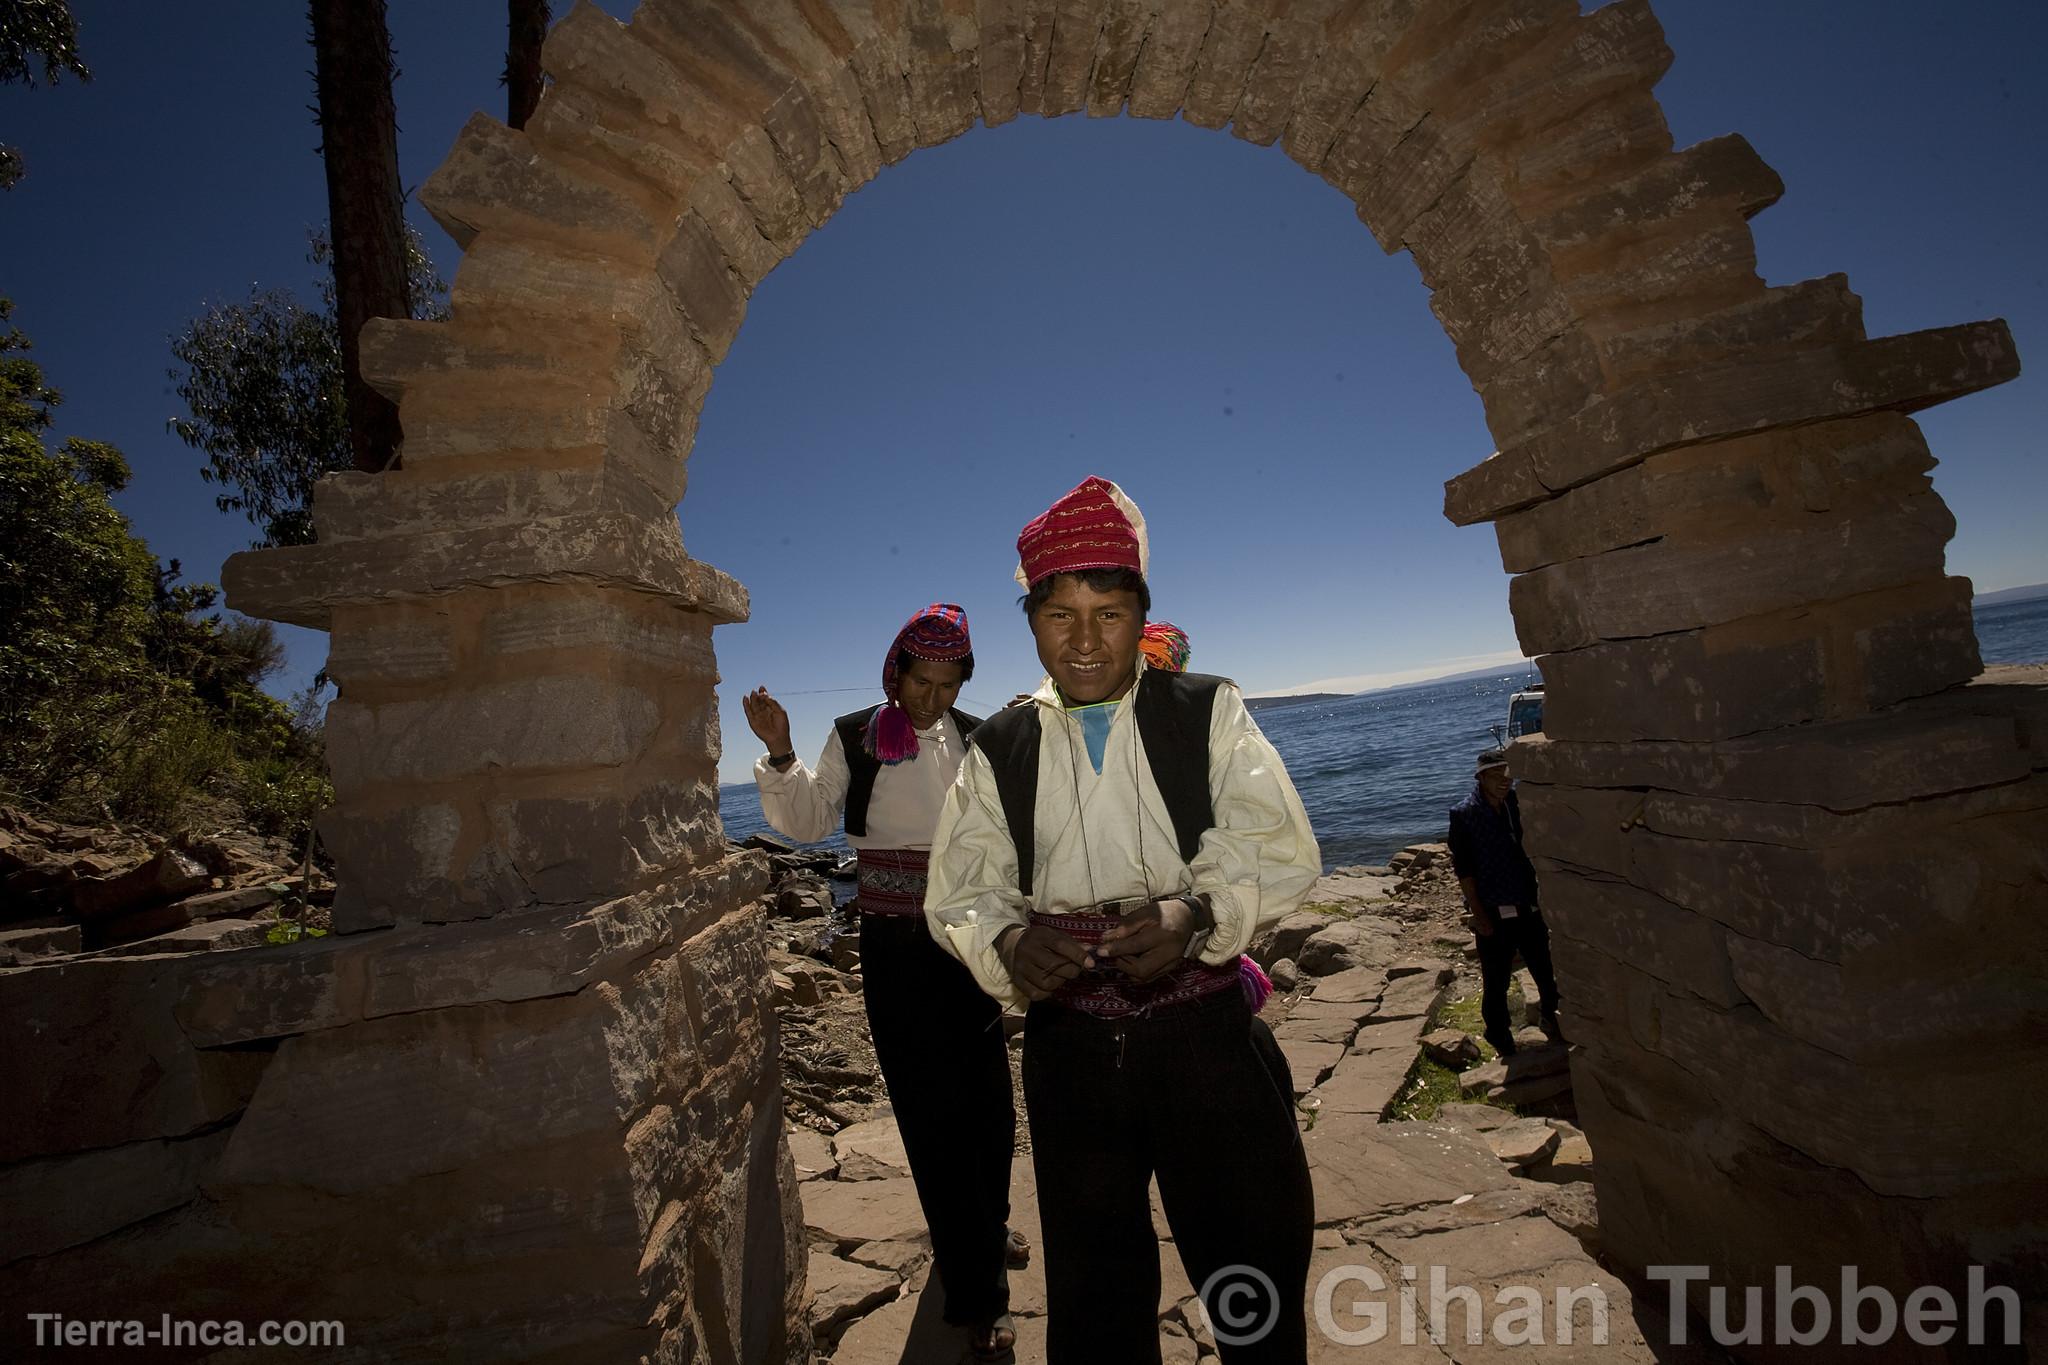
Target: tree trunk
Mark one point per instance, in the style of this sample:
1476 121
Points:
529 25
365 205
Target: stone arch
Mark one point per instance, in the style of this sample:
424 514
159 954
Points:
1713 506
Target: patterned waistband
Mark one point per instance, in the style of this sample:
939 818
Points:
892 881
1109 994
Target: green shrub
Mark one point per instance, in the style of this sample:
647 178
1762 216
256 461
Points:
282 794
176 751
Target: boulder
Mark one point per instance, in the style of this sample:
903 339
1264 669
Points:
803 898
1284 939
164 877
1451 1047
1523 1142
1344 945
1284 974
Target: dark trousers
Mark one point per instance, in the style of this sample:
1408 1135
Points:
939 1040
1199 1095
1525 934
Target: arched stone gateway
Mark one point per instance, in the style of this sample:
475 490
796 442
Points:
1794 853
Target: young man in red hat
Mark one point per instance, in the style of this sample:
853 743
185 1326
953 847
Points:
1106 854
885 770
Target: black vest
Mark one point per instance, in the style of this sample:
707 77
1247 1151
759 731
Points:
861 766
1173 722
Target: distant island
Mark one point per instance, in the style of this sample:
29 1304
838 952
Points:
2005 595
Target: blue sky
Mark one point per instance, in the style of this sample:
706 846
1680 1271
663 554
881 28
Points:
991 320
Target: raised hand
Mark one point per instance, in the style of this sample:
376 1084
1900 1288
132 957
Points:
768 721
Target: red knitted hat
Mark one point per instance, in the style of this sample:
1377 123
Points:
1094 526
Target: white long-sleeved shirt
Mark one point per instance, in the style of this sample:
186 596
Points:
804 804
1108 836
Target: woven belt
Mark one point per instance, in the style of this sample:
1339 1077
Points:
892 881
1107 993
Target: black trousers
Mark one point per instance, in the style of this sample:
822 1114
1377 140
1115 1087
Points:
939 1039
1199 1095
1526 934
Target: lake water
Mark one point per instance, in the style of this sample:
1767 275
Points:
1376 772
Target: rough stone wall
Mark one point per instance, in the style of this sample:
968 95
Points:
555 1135
1764 854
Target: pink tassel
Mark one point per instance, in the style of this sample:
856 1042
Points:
1257 985
891 737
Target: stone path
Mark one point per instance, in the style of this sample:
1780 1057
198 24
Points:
1498 1205
1493 1200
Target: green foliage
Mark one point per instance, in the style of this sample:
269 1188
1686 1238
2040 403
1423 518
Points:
32 29
1429 1087
281 794
119 694
291 931
262 382
32 33
74 586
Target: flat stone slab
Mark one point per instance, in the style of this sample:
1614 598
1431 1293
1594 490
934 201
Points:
31 945
1523 1142
211 936
1331 1027
812 1153
1413 997
1532 1252
1365 1082
900 1259
872 1150
1310 1062
846 1212
1362 1168
1349 885
841 1289
1357 985
1476 1117
1391 1035
878 1338
1316 1007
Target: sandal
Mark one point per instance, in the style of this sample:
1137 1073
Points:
995 1340
1016 1250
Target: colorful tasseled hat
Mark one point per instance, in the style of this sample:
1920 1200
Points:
937 634
1165 646
1093 526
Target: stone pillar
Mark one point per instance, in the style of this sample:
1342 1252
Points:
1792 854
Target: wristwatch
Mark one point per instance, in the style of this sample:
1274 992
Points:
781 761
1204 916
